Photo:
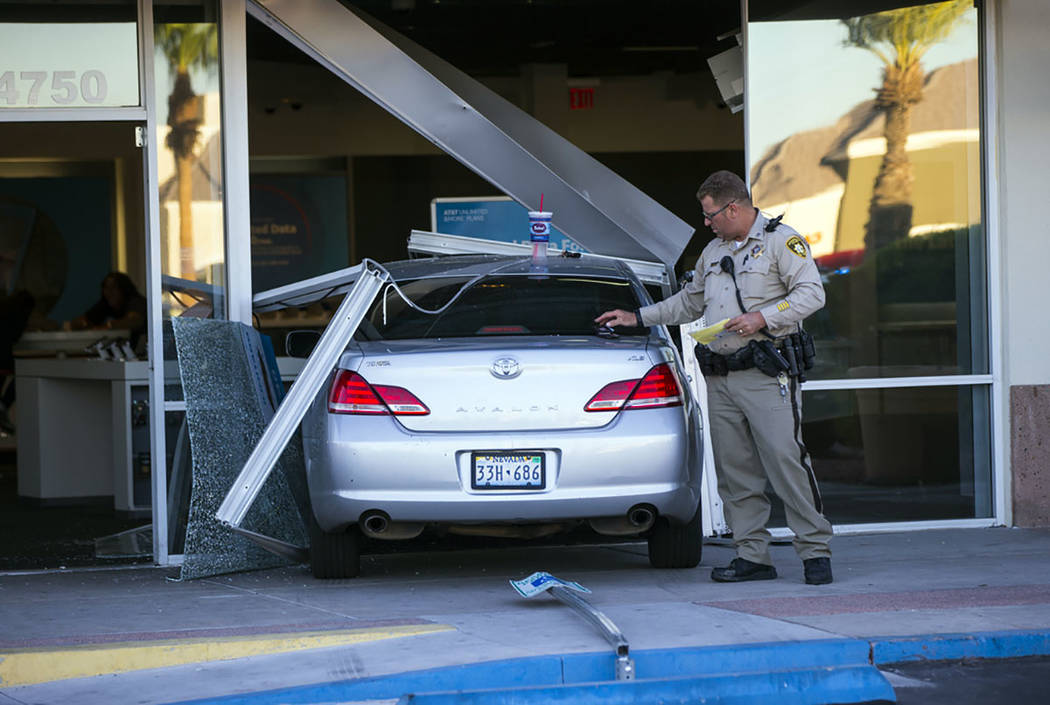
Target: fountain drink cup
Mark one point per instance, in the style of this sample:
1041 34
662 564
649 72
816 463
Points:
539 235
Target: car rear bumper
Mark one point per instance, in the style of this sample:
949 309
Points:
368 464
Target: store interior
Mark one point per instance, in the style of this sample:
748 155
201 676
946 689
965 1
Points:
71 207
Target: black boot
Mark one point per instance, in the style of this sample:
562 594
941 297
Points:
818 571
741 569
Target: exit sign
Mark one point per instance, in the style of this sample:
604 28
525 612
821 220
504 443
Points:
581 98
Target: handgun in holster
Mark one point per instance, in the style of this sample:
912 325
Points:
767 358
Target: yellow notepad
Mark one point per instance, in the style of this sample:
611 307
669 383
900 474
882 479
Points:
704 336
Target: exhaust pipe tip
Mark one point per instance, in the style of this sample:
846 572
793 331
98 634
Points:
377 524
641 515
637 520
374 523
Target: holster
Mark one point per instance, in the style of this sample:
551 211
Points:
767 358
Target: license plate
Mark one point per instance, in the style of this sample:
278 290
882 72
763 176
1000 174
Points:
508 471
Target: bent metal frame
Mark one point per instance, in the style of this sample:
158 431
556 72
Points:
246 488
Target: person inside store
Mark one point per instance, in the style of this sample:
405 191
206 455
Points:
120 307
758 275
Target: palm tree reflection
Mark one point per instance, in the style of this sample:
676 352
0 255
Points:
899 38
186 46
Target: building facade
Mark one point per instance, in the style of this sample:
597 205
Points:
195 147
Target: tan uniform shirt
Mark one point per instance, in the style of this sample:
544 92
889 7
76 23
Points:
776 275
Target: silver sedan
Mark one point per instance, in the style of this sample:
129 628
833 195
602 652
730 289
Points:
509 414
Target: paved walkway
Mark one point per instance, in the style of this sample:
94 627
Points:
282 628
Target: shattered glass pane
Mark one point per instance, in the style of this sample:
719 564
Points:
133 543
232 389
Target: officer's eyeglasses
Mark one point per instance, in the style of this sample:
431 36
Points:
711 216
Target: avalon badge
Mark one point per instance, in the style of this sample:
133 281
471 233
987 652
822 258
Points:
505 368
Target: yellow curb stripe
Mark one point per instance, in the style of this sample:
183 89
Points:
26 667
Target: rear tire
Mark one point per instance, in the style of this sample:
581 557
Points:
672 546
335 555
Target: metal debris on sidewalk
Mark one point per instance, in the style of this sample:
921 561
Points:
566 592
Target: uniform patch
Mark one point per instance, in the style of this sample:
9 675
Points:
783 306
796 246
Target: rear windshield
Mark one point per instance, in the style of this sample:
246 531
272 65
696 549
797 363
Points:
501 305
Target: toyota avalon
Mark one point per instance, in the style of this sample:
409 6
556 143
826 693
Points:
507 413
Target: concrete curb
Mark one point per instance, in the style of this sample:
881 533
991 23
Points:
844 684
802 672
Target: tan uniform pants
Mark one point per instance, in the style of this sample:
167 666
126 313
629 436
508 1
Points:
754 436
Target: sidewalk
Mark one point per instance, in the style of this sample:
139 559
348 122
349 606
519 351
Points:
893 593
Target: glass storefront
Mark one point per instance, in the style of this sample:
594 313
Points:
866 136
901 454
188 100
189 165
865 133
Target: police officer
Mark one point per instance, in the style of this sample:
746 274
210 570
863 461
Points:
759 274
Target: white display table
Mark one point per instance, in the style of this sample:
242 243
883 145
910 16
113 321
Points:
75 431
83 429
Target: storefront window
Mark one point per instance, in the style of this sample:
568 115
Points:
865 135
68 55
190 178
917 453
189 165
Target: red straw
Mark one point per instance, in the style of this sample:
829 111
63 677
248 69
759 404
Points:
541 201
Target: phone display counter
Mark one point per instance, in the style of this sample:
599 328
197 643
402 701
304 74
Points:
83 431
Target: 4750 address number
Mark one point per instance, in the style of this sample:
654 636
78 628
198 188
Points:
63 88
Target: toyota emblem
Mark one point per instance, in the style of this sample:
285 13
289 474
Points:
505 368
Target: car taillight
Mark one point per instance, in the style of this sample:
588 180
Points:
658 388
400 401
352 394
611 397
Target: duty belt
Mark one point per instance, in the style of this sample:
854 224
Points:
768 356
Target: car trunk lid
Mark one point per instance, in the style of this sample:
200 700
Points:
505 383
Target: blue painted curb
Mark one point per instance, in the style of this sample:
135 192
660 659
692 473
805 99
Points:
952 647
718 660
843 684
714 668
577 669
